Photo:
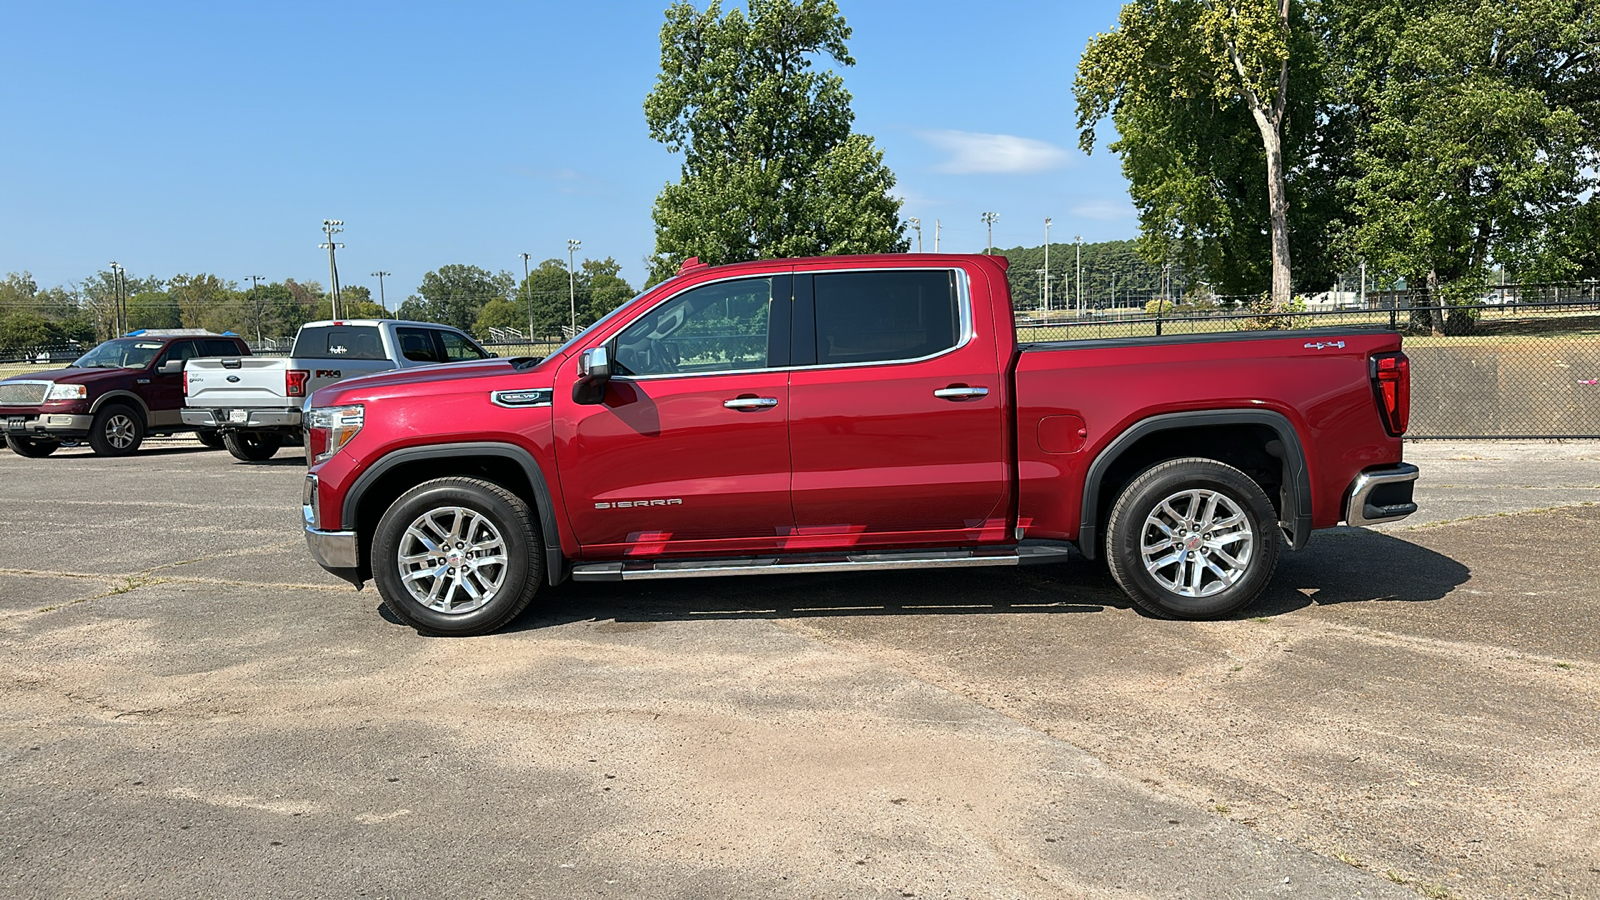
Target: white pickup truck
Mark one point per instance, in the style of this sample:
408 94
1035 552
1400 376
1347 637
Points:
255 401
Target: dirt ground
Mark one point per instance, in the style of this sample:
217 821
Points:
192 708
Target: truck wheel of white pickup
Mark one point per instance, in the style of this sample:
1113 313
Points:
1192 539
457 556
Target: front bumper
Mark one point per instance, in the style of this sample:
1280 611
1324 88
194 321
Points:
1381 495
334 550
48 425
243 419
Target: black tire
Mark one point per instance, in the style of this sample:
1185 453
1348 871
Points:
252 446
451 503
33 448
210 437
1219 553
118 430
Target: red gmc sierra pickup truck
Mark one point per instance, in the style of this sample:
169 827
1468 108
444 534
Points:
865 412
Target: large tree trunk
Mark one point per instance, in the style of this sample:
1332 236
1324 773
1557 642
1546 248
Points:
1278 205
1436 301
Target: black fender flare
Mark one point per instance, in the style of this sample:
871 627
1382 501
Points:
544 505
1295 516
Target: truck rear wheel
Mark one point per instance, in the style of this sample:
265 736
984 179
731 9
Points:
118 430
210 437
31 447
1192 539
252 446
457 556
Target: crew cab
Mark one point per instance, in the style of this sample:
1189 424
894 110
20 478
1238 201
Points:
846 413
114 396
255 404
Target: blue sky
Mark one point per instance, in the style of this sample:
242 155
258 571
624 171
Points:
188 137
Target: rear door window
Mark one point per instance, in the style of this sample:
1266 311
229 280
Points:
338 342
457 347
416 345
885 316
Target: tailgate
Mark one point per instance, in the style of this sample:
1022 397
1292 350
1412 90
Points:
246 381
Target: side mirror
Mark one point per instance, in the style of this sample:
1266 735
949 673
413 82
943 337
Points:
171 367
594 370
595 363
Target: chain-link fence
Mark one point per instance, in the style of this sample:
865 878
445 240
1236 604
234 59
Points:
1523 364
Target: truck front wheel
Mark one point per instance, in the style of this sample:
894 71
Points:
1192 539
457 556
118 430
31 447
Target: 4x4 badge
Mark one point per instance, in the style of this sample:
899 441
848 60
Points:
1323 345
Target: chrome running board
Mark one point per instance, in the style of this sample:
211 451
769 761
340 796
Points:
811 563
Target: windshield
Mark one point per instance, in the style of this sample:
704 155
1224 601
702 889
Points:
598 322
122 353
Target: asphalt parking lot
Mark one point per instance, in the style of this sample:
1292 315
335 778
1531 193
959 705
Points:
193 708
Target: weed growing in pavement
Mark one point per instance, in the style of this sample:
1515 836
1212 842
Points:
1348 859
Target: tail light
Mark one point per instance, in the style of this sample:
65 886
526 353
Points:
294 382
1391 380
186 381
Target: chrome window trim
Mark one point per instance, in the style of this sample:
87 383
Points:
965 321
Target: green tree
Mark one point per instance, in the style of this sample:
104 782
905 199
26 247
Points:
1201 92
602 289
545 292
452 295
1480 128
771 167
153 309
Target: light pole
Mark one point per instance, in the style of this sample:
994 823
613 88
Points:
331 227
119 313
525 258
1113 290
1047 263
936 235
1044 287
255 303
916 224
382 302
1078 239
989 219
572 281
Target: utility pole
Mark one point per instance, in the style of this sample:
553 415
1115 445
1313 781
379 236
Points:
572 281
1078 239
255 303
989 219
1364 284
916 224
331 227
525 258
119 314
382 302
1047 263
936 235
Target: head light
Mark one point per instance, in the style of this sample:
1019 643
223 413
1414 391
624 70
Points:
329 428
66 392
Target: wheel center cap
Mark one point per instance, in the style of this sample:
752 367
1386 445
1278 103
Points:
1193 543
455 557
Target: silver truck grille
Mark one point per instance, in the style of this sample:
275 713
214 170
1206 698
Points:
23 393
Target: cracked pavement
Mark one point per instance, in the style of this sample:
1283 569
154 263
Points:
193 708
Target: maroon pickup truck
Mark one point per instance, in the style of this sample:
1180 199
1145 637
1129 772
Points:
847 413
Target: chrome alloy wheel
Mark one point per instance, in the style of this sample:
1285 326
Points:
1197 543
119 431
452 560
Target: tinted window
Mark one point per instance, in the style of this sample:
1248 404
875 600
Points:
219 347
416 344
712 328
184 350
881 316
457 347
338 342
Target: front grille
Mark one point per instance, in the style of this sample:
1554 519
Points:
23 393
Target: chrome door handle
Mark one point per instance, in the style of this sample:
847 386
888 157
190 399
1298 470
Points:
750 404
961 393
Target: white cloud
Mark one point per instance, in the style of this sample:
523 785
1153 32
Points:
971 152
